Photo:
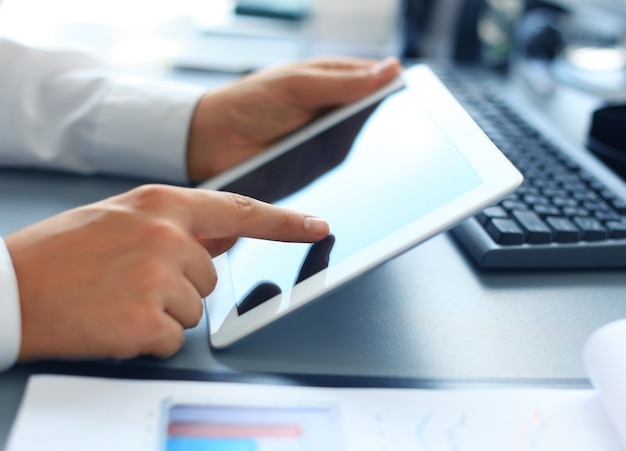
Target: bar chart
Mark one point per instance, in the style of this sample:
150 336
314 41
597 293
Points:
227 427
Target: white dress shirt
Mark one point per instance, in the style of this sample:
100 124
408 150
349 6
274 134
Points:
10 320
62 109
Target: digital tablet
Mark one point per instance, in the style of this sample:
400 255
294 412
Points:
386 172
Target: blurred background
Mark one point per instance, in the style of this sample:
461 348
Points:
228 35
579 43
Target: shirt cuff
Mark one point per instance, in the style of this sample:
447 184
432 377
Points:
10 316
142 127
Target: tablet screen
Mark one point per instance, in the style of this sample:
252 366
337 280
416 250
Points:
387 176
367 176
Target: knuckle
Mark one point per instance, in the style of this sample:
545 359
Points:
148 322
146 330
150 276
158 237
165 341
243 204
198 310
152 196
171 344
210 281
160 231
287 221
202 273
138 330
149 192
156 337
125 350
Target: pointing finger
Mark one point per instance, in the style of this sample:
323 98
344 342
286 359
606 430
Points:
221 215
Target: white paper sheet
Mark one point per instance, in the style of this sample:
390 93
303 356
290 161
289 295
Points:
76 413
605 361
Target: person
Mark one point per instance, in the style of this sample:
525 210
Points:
125 276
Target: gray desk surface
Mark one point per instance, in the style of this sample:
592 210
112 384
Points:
428 315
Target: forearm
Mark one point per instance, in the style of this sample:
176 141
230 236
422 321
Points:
64 110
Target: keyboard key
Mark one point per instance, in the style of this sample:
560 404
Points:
564 230
617 229
514 205
591 229
565 202
532 199
576 211
585 196
547 210
596 206
550 192
505 231
536 231
608 216
491 212
528 190
619 206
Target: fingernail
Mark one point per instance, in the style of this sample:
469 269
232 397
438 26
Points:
315 225
381 67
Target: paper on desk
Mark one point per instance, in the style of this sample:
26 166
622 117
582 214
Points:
75 413
605 361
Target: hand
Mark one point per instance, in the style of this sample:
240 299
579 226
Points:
239 120
125 276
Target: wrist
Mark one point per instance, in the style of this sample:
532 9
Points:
216 137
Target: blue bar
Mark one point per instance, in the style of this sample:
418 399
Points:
207 444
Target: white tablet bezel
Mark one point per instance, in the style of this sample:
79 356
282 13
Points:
499 177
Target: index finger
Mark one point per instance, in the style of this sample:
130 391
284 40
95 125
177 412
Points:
220 215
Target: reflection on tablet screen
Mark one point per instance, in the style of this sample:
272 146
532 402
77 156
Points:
368 176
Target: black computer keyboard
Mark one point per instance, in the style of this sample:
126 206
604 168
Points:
563 215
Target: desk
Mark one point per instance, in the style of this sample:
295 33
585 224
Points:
429 315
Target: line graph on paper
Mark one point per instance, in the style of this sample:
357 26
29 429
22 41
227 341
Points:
502 420
529 434
470 430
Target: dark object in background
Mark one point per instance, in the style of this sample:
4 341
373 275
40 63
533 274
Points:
538 37
290 10
416 16
488 33
467 45
607 137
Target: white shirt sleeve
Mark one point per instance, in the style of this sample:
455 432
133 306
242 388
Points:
10 317
62 109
